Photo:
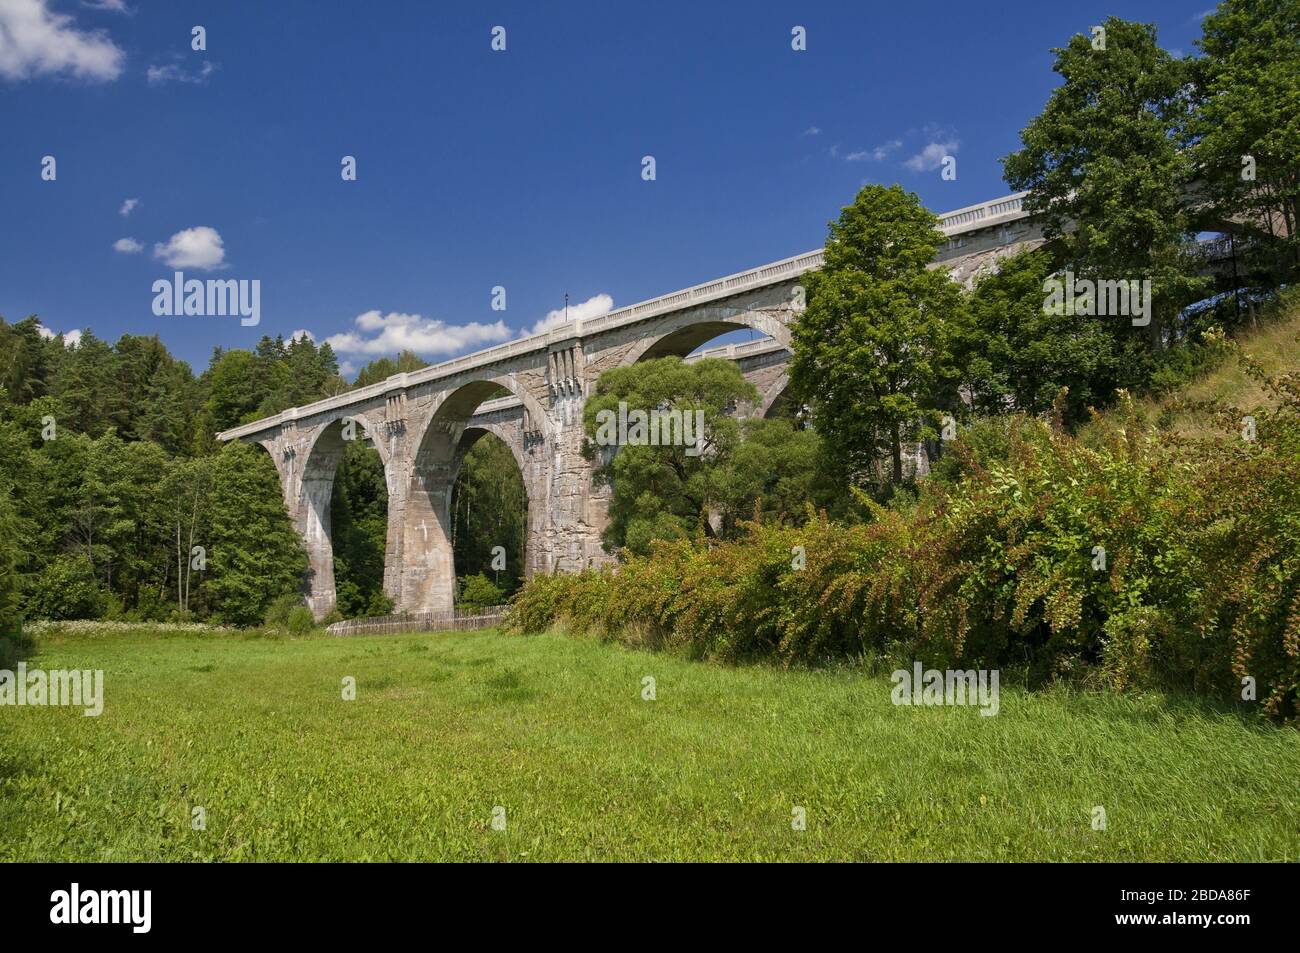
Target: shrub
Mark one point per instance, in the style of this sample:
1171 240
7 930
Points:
478 593
277 614
300 620
65 589
1134 558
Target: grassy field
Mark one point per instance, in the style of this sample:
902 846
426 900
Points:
445 728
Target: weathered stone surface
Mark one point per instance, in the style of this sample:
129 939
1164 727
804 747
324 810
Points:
530 393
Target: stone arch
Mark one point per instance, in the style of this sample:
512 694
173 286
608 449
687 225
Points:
426 579
680 333
312 488
534 490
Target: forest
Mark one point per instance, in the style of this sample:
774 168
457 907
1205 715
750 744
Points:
120 504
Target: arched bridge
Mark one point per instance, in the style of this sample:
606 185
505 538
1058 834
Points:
530 393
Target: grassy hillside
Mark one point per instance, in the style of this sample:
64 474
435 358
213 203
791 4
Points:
446 727
1275 344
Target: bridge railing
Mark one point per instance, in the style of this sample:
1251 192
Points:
455 620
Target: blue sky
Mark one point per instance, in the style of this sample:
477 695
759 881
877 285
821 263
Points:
477 168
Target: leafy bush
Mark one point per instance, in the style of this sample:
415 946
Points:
1132 558
277 614
300 620
65 589
478 593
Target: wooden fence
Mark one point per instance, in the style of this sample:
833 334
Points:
457 620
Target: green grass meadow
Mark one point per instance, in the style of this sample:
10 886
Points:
446 727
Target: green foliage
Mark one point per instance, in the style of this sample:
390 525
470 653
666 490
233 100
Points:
382 368
1002 564
479 592
300 620
255 554
288 613
1247 97
65 589
665 491
1105 173
11 531
359 529
108 452
489 508
1018 356
277 613
774 471
873 352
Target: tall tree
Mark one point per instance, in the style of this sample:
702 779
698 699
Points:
873 351
1245 132
1105 172
489 508
255 556
1018 355
666 490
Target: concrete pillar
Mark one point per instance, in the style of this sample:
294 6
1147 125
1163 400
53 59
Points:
312 518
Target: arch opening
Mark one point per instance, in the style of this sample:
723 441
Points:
489 519
343 518
701 338
428 576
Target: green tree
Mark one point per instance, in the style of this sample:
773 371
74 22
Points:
12 528
873 351
84 385
235 389
255 555
1105 173
359 530
662 492
1244 130
489 508
26 359
776 469
383 368
1018 355
479 593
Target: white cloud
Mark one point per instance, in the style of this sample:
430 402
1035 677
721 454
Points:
931 157
199 247
128 207
112 6
127 246
593 307
347 367
812 131
302 333
70 338
35 41
174 73
395 332
878 154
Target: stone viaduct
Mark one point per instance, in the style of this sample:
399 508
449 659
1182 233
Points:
530 393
